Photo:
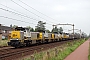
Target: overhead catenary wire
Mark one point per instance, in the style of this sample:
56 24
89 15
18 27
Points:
28 10
16 19
36 10
16 13
20 14
13 10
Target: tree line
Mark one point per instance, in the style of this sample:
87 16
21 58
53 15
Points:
41 28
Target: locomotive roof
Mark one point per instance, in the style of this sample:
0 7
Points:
20 28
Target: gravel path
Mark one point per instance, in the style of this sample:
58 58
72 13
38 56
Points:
81 53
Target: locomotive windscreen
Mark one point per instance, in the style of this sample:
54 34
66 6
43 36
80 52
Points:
20 29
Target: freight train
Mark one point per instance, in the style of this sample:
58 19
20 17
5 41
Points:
23 37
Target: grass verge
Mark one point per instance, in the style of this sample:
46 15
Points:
89 52
3 43
58 53
70 48
88 57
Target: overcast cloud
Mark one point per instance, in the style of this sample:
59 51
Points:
61 11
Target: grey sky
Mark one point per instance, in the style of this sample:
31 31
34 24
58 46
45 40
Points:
62 11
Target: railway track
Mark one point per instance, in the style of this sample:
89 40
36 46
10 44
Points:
10 54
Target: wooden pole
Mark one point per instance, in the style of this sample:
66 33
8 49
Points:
32 57
56 52
48 54
73 31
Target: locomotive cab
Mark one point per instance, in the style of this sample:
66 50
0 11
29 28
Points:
17 37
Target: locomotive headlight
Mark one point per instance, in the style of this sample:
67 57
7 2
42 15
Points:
10 39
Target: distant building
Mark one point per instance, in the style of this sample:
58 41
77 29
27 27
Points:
4 31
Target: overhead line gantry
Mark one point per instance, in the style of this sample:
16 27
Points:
66 24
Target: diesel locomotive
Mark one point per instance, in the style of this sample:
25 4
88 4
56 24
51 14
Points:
24 37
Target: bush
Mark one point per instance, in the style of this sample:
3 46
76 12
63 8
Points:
3 43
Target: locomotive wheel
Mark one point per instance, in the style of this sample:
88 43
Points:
27 44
